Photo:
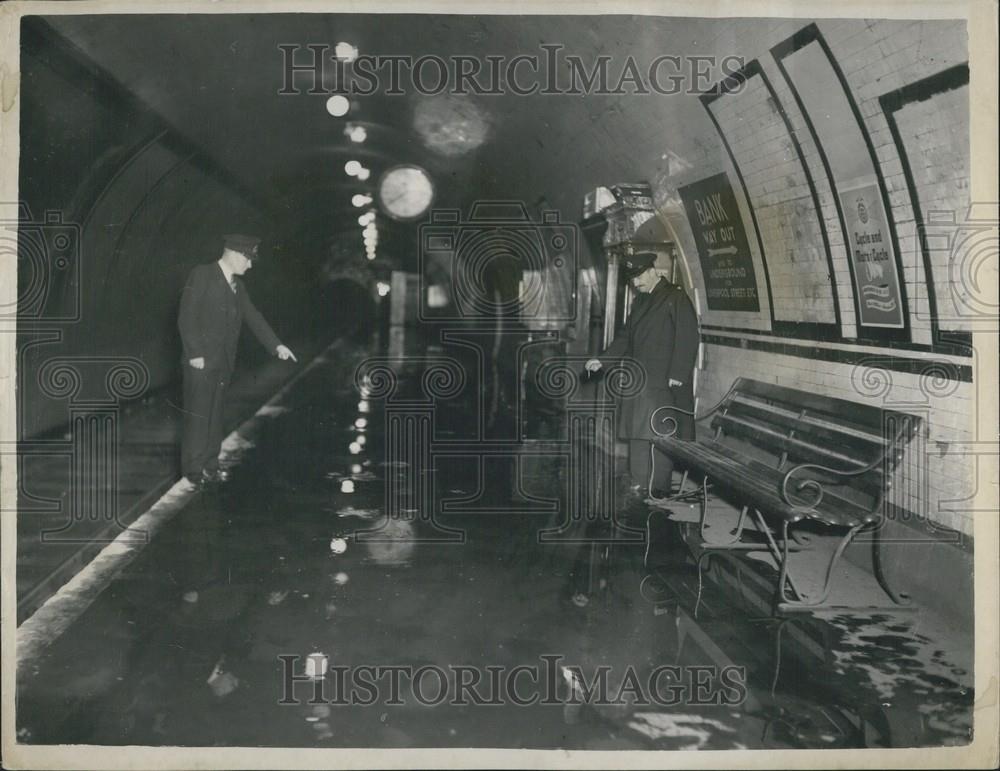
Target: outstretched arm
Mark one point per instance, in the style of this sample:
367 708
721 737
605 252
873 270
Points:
262 330
617 350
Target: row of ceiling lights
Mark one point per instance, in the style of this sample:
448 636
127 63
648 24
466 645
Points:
338 106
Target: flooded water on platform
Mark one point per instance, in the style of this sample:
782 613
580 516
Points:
309 602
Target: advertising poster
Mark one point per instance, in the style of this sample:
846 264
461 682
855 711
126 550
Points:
876 280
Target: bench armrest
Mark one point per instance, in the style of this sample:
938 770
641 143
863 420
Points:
653 422
668 419
816 487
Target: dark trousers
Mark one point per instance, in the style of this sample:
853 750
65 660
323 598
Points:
638 465
201 439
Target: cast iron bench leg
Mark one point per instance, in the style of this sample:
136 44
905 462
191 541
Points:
780 556
900 598
734 539
828 583
820 603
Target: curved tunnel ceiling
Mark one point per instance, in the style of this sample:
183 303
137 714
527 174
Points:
216 79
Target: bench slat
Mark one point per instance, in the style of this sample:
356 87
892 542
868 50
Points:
801 451
761 487
840 410
808 424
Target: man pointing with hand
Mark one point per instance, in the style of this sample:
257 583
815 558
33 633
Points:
214 306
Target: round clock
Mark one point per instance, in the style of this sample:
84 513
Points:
405 192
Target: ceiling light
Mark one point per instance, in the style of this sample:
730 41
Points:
353 168
364 173
356 133
360 200
383 289
346 52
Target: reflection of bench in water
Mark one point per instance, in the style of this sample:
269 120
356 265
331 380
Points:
789 456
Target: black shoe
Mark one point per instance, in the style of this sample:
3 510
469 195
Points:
215 475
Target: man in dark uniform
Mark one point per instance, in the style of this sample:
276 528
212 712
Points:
213 308
661 334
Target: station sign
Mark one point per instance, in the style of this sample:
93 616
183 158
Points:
723 248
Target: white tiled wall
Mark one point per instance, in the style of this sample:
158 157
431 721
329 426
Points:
672 142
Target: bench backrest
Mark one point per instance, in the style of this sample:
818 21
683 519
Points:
795 427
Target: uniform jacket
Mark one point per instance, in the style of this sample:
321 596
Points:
211 316
661 334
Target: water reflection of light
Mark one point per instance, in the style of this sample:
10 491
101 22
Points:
360 440
361 422
364 173
451 124
347 486
356 468
392 544
356 133
355 448
337 105
351 168
363 405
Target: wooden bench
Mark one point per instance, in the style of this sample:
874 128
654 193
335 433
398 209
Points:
793 457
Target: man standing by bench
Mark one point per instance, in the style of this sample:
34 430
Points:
661 335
